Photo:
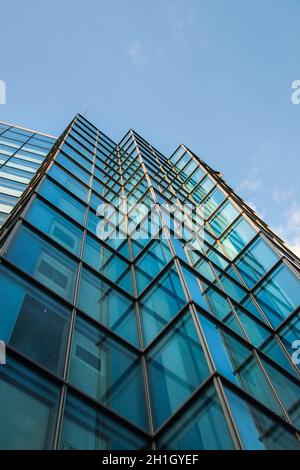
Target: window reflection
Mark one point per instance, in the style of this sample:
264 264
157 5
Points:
106 305
28 409
176 367
33 322
107 371
202 427
161 304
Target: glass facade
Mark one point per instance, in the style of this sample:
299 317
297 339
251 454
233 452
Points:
121 334
22 152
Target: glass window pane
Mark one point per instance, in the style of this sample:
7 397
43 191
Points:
290 335
279 295
161 304
107 263
151 263
287 390
256 261
33 322
106 305
73 168
223 218
69 182
28 408
107 371
64 201
236 362
55 225
257 430
202 427
44 262
206 185
238 237
177 366
86 428
212 202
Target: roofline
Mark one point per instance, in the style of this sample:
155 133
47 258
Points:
28 130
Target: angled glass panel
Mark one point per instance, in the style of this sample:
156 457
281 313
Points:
258 430
108 372
43 262
287 390
224 217
32 322
213 202
238 364
202 189
202 427
49 221
256 261
176 367
151 263
290 337
238 237
107 263
64 201
161 303
73 168
28 408
279 295
69 182
105 304
86 164
85 427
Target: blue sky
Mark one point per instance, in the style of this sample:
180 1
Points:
213 74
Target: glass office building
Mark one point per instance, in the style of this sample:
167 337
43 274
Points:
22 152
136 341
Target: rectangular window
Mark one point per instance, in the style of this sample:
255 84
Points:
32 322
44 262
158 306
64 201
55 225
86 428
202 427
176 367
106 305
279 295
28 409
107 371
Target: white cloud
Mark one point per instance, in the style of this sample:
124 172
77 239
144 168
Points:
290 231
182 20
253 182
282 196
137 53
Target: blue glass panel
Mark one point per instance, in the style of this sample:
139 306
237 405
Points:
256 261
55 225
107 371
202 427
28 408
106 305
161 304
87 428
279 295
238 237
177 366
32 322
64 201
44 262
257 430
